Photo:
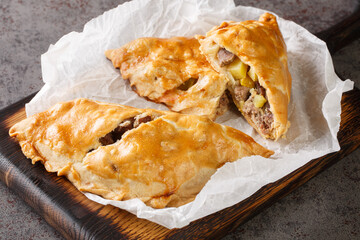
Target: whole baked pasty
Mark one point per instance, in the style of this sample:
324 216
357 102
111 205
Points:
252 54
174 72
119 152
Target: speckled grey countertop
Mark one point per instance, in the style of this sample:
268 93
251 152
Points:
327 207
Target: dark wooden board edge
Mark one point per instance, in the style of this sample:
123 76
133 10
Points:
77 217
343 33
225 221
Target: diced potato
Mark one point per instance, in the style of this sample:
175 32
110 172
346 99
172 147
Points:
237 69
259 101
247 82
252 74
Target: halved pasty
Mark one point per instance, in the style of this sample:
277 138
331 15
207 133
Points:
174 72
120 152
252 54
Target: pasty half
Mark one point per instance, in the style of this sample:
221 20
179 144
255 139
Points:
120 152
174 72
252 54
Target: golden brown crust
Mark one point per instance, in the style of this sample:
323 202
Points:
163 162
158 68
260 45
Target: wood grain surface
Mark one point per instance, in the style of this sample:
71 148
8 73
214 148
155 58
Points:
76 217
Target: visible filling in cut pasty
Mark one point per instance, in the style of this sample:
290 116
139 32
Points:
252 55
121 153
124 126
248 93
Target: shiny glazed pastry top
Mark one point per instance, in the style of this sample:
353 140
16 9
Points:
174 72
119 152
252 54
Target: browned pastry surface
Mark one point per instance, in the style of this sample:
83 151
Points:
120 152
259 45
174 72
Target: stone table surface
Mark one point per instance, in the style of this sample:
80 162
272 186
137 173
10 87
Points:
326 207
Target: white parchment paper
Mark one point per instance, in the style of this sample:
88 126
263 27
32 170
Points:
76 67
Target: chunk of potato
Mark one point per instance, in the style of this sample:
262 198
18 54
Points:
259 101
237 69
247 82
252 74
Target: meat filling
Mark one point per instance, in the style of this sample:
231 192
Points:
242 93
248 94
260 90
262 117
223 105
126 125
225 57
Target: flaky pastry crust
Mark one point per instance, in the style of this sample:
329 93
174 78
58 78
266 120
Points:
260 45
164 161
174 72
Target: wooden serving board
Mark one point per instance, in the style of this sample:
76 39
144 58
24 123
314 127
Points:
76 217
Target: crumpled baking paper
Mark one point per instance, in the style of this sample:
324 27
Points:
76 67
